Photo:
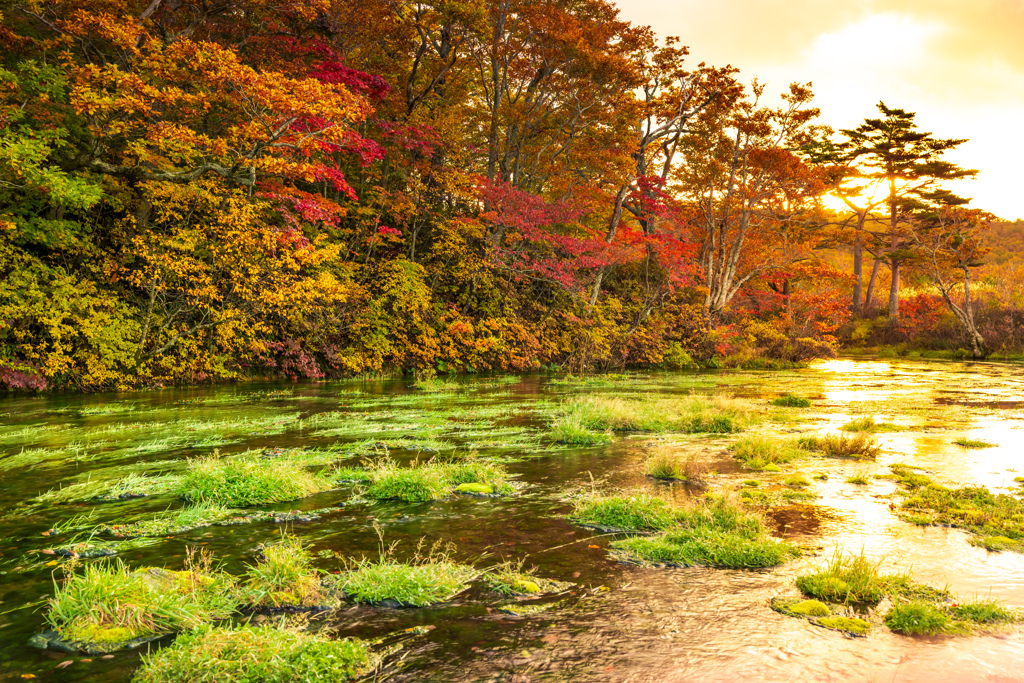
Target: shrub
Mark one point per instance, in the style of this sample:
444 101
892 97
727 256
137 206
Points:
256 653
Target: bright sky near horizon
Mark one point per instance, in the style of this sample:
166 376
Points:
958 63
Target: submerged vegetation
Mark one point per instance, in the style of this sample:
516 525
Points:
593 416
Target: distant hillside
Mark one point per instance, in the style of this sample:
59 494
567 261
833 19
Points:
1006 241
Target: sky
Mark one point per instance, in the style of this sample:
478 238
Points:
958 63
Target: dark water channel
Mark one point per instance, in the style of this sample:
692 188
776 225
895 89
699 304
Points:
650 625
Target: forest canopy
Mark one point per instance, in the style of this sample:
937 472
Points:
205 191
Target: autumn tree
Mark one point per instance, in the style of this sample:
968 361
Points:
891 149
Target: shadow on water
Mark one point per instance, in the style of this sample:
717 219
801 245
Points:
652 625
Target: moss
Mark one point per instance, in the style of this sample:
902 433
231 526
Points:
857 627
752 483
479 489
93 633
810 608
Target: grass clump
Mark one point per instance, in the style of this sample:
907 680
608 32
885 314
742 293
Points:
868 424
842 445
285 577
849 579
918 617
668 465
256 653
797 480
973 443
715 533
249 481
998 519
426 580
791 401
107 602
765 453
569 429
860 478
640 512
434 480
690 414
511 579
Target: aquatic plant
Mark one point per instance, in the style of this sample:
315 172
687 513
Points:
285 577
569 428
852 579
425 580
791 401
689 414
852 625
918 617
715 533
797 480
868 424
665 463
997 518
842 445
860 478
762 452
108 602
640 512
244 654
510 578
964 442
248 481
434 480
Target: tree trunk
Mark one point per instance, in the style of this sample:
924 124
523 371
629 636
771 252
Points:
894 290
870 294
858 272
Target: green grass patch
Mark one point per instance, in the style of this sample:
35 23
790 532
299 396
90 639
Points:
797 480
868 424
690 414
248 481
285 577
860 478
763 452
426 580
842 445
107 602
570 429
512 579
973 443
668 464
640 512
998 519
850 579
791 401
714 533
435 480
247 654
918 617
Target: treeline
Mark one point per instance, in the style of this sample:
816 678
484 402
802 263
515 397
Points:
202 191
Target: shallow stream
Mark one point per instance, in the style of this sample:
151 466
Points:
652 624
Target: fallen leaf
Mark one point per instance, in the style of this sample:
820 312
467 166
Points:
66 662
594 546
48 551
